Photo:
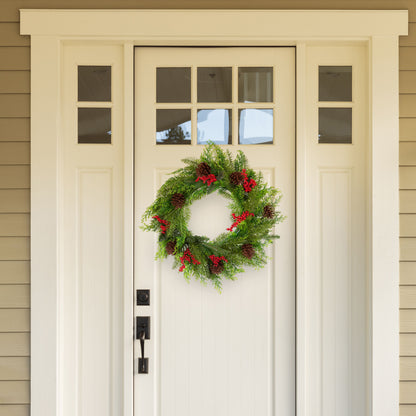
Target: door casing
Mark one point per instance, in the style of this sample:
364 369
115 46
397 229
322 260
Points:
52 30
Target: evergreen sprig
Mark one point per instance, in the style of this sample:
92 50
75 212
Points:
195 252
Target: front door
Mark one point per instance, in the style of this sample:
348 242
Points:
213 354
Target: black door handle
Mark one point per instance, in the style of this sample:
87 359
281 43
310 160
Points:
143 333
143 362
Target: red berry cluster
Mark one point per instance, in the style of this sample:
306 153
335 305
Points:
208 179
216 259
248 184
187 256
163 223
240 218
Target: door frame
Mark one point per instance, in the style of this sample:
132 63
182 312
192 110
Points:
51 30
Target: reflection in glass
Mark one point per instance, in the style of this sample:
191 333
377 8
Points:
173 85
255 84
335 83
94 125
255 126
214 85
215 126
94 83
173 126
335 125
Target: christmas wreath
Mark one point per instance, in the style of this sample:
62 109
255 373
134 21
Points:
254 213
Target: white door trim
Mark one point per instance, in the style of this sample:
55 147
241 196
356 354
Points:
51 29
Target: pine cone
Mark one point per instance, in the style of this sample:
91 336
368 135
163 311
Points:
268 212
178 200
203 169
236 178
170 247
216 268
248 251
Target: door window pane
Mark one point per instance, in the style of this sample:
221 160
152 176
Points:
335 83
335 125
173 85
255 126
255 84
94 83
214 125
214 85
94 125
173 126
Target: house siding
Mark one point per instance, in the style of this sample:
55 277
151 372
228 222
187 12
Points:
15 182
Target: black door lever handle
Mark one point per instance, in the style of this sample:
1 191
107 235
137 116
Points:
143 333
143 362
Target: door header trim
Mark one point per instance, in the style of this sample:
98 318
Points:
215 26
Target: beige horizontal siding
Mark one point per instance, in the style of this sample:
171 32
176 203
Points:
14 225
17 410
14 248
14 320
408 249
405 410
15 105
14 296
14 177
14 58
407 177
407 225
408 273
407 105
14 368
408 368
15 129
408 125
407 201
14 344
9 35
14 272
14 392
407 153
14 153
14 82
14 200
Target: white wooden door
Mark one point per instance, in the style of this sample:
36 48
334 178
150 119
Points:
231 353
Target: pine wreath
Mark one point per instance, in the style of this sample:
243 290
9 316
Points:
253 207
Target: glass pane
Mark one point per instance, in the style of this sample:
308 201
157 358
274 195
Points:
214 85
94 83
255 84
94 125
335 125
173 85
173 126
215 126
255 126
335 83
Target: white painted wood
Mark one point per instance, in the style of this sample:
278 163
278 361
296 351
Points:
92 249
234 353
214 26
384 73
334 296
335 27
45 277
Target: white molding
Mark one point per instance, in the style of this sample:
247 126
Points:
45 273
50 29
214 25
384 95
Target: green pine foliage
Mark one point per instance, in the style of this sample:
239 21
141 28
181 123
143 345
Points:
256 230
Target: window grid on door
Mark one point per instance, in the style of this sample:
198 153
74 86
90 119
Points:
244 119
